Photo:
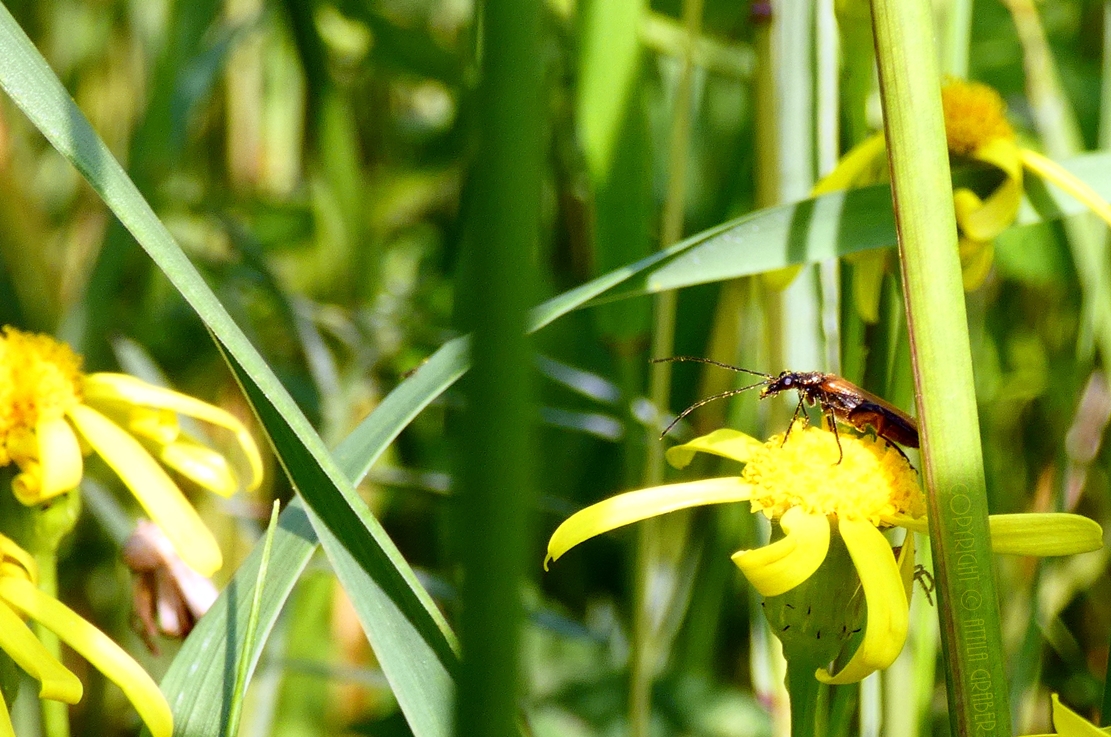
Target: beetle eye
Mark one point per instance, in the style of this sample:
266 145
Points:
788 381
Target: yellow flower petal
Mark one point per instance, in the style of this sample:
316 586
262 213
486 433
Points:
887 612
110 387
1044 535
6 729
982 220
154 489
27 486
160 425
976 260
17 640
906 565
868 270
96 647
780 279
1002 153
634 506
59 457
1051 171
726 443
782 565
201 465
854 166
906 521
1070 724
12 552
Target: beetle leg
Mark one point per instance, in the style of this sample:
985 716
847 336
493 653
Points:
837 437
795 416
831 420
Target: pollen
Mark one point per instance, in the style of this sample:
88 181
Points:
873 480
974 115
39 379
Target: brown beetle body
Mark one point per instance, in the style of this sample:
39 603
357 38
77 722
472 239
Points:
848 403
839 399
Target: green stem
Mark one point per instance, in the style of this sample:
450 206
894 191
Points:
495 435
55 714
806 696
937 323
40 530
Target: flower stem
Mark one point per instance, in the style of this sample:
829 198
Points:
494 499
937 322
55 714
40 530
805 692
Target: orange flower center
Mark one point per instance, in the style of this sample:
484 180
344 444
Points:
974 115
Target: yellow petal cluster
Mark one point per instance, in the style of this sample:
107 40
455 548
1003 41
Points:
872 481
799 482
51 415
19 597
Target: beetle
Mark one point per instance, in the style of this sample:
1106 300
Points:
838 398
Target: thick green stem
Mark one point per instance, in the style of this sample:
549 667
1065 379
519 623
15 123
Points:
805 690
951 454
495 434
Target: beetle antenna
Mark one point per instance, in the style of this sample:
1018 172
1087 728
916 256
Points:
710 361
707 400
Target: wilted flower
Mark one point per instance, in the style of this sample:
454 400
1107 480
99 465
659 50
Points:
168 596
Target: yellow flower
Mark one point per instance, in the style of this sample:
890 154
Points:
19 597
977 129
809 496
51 415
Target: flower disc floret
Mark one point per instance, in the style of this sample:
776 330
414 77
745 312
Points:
40 379
975 114
873 481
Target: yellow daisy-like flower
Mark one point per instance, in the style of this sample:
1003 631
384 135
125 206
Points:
20 597
977 129
51 415
810 496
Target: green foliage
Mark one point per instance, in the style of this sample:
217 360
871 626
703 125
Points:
275 200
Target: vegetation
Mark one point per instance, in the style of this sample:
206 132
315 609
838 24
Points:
320 214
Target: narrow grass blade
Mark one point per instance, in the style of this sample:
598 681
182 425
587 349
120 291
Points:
250 637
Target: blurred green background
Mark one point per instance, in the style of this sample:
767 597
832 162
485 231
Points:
313 159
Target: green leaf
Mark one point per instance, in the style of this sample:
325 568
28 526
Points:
802 232
200 679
